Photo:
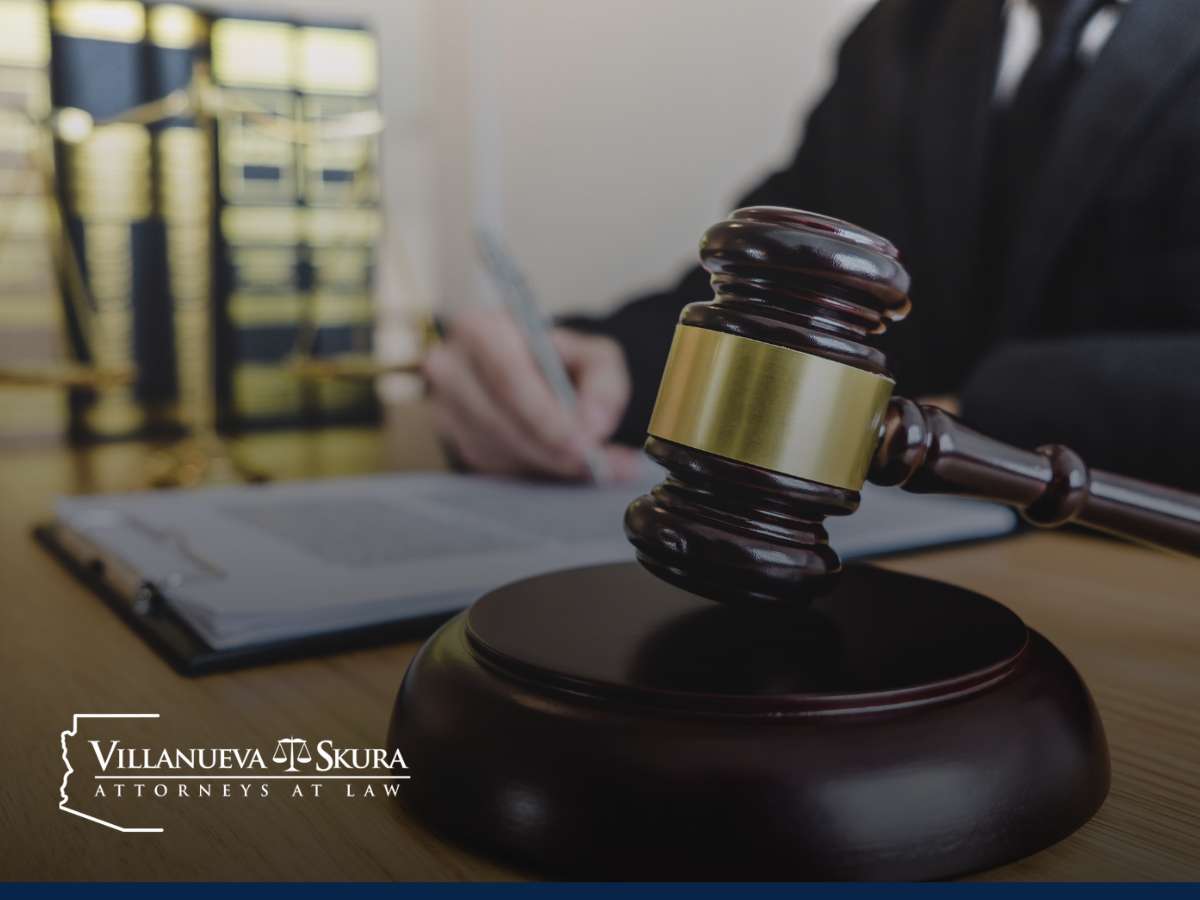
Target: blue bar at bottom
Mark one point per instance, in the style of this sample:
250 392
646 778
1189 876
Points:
291 891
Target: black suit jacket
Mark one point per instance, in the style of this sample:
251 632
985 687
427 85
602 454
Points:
1086 330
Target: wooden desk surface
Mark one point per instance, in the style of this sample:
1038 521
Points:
1129 618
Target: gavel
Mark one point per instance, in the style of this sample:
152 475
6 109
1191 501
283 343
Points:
774 409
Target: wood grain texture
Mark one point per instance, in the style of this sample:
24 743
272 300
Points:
1127 617
602 723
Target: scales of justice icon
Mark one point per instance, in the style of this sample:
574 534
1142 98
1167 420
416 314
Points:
291 750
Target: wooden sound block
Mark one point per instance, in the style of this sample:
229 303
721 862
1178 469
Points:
598 722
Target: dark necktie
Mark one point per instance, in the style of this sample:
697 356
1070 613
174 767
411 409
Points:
1028 126
1022 134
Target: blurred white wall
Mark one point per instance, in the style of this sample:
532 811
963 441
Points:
599 138
604 137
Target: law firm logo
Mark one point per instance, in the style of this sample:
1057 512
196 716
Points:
117 772
63 799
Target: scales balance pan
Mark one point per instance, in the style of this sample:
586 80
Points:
818 721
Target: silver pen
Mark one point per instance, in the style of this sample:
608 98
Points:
518 298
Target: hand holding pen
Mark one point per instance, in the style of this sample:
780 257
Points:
499 404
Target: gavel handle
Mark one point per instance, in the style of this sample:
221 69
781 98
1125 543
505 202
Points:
928 451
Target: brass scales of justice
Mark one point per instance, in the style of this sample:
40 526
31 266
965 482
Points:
202 455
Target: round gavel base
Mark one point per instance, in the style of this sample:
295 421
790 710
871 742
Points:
598 722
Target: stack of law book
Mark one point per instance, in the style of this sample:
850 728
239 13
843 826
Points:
298 216
114 239
217 239
30 317
176 44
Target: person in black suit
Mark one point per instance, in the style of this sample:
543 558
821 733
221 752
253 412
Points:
1044 195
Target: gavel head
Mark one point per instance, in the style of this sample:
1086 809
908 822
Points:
770 407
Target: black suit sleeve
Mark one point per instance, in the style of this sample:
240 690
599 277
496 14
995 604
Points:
1126 403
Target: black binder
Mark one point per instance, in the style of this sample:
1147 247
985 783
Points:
144 609
176 52
338 77
105 183
260 267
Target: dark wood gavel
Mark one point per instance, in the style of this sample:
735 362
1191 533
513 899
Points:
774 409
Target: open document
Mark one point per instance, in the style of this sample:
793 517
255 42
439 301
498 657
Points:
249 564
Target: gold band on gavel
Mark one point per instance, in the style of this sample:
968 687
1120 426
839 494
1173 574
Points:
769 406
